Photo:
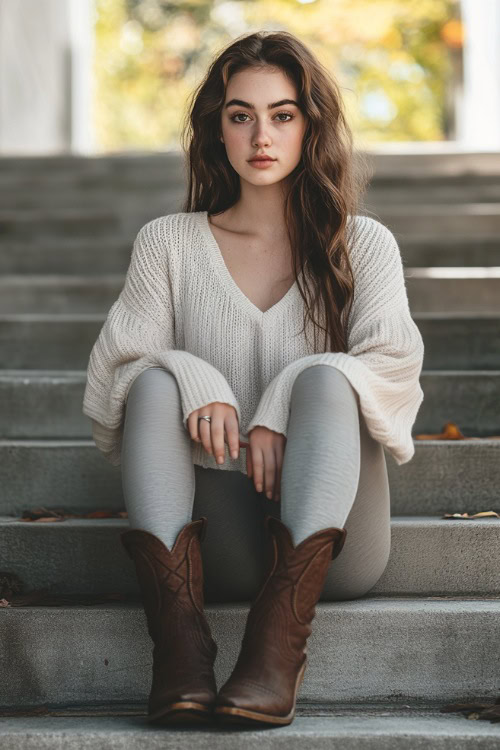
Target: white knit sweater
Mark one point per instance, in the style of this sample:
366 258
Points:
181 309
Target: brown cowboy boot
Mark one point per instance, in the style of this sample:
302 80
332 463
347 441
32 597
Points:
271 664
171 581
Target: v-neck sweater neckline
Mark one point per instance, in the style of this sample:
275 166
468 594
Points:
232 287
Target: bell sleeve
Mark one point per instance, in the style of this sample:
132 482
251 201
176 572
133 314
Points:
385 350
138 333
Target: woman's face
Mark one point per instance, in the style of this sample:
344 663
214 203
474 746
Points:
250 127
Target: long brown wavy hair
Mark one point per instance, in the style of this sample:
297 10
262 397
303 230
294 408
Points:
323 190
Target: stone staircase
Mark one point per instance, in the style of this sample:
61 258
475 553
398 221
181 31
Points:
380 667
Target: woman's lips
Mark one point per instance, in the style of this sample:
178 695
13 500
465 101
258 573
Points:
260 163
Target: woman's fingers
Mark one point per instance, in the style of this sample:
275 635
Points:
233 435
270 475
257 467
265 456
264 450
192 426
205 430
222 428
264 469
217 435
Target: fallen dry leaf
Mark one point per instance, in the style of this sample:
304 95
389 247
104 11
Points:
451 431
466 516
481 711
43 598
12 595
45 515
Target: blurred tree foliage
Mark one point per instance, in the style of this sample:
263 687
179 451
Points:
395 60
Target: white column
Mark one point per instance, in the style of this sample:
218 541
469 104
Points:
45 76
81 31
479 124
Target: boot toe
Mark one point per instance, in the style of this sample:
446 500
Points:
205 697
202 695
250 696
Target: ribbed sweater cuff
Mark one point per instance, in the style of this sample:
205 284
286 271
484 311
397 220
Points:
274 407
199 382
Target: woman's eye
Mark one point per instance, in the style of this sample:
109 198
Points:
240 114
244 114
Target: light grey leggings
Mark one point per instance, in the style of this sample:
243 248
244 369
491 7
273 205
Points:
334 474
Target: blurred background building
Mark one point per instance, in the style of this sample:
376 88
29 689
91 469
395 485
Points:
96 76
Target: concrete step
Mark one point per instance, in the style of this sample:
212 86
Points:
73 255
167 191
88 181
459 341
423 161
117 196
86 556
84 257
401 161
167 187
336 727
59 293
444 476
16 225
43 404
453 289
379 649
430 250
469 219
52 342
70 255
429 290
461 188
32 341
138 167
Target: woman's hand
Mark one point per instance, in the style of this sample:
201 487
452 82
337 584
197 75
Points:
265 453
223 427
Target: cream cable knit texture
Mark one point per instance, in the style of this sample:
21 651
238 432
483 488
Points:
181 309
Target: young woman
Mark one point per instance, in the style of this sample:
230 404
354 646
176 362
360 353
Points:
202 357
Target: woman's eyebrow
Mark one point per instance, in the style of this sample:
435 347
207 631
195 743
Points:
242 103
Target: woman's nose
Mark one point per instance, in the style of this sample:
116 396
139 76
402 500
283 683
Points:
261 136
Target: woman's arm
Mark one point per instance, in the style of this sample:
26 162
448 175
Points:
139 333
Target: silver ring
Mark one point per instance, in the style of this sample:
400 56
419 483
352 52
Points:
209 419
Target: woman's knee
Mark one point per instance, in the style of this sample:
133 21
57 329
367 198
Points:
356 574
326 383
367 548
153 378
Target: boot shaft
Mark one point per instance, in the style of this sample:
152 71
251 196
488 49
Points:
300 570
170 580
